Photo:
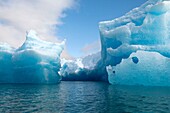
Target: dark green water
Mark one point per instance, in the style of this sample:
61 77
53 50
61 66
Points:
83 97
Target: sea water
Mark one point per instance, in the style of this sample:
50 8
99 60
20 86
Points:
83 97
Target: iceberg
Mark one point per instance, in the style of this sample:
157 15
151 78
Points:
70 67
6 68
152 69
136 45
36 61
82 69
135 50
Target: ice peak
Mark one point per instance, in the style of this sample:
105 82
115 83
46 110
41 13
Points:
31 34
160 8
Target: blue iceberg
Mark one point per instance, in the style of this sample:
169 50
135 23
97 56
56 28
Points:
6 68
135 50
36 61
81 69
135 47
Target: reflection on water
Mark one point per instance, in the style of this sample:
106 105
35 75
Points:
83 97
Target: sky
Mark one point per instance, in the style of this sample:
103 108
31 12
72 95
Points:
56 20
80 27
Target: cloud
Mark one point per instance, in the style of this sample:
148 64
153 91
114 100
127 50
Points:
92 48
65 54
18 16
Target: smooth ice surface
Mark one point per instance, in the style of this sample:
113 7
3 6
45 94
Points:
151 70
146 28
36 61
6 68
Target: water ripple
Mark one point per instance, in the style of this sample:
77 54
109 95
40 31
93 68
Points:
83 97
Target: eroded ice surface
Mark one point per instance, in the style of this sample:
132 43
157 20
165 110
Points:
36 61
147 29
81 68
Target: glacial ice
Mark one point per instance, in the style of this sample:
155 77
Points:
70 66
136 45
152 69
6 68
135 50
81 69
36 61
